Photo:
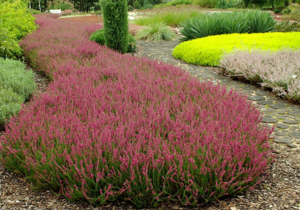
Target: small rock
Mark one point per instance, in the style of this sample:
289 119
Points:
269 120
9 202
282 126
292 145
232 208
256 98
290 121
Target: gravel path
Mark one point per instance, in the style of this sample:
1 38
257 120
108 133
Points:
279 190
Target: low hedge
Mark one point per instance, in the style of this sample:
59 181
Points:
209 50
16 85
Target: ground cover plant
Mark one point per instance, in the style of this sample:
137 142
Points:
15 22
276 70
117 127
209 50
16 85
252 21
171 16
287 26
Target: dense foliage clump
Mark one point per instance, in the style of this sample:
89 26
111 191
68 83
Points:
116 127
227 23
98 37
15 22
16 85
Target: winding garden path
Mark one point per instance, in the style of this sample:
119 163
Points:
285 115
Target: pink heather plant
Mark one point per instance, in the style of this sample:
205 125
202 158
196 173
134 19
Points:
114 126
276 70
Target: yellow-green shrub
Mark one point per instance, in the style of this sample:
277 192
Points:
209 50
15 23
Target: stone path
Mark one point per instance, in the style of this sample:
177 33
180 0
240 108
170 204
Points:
277 111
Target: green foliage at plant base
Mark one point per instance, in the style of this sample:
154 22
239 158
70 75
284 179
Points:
98 37
156 32
16 85
209 50
178 2
227 23
116 24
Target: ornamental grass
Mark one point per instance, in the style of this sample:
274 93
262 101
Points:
115 127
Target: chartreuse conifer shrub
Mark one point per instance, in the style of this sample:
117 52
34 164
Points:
208 51
116 24
16 85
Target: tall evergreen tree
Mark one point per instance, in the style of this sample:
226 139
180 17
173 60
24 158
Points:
115 24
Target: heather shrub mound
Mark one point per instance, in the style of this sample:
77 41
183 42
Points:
276 70
209 50
98 37
113 126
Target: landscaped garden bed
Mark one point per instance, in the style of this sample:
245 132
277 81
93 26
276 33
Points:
115 127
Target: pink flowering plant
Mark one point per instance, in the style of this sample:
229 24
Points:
114 126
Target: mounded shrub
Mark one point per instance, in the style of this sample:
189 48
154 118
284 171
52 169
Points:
10 105
15 23
115 15
156 32
209 50
116 127
98 37
227 23
277 70
16 85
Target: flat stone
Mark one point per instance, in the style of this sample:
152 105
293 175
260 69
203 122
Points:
269 120
287 121
284 140
280 134
292 146
294 128
282 126
277 106
294 113
248 87
298 150
265 102
294 134
260 93
256 98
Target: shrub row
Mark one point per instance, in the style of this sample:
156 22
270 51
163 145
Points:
209 50
15 22
114 126
227 23
276 70
16 85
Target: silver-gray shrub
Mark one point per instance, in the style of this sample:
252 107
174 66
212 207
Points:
16 85
277 70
